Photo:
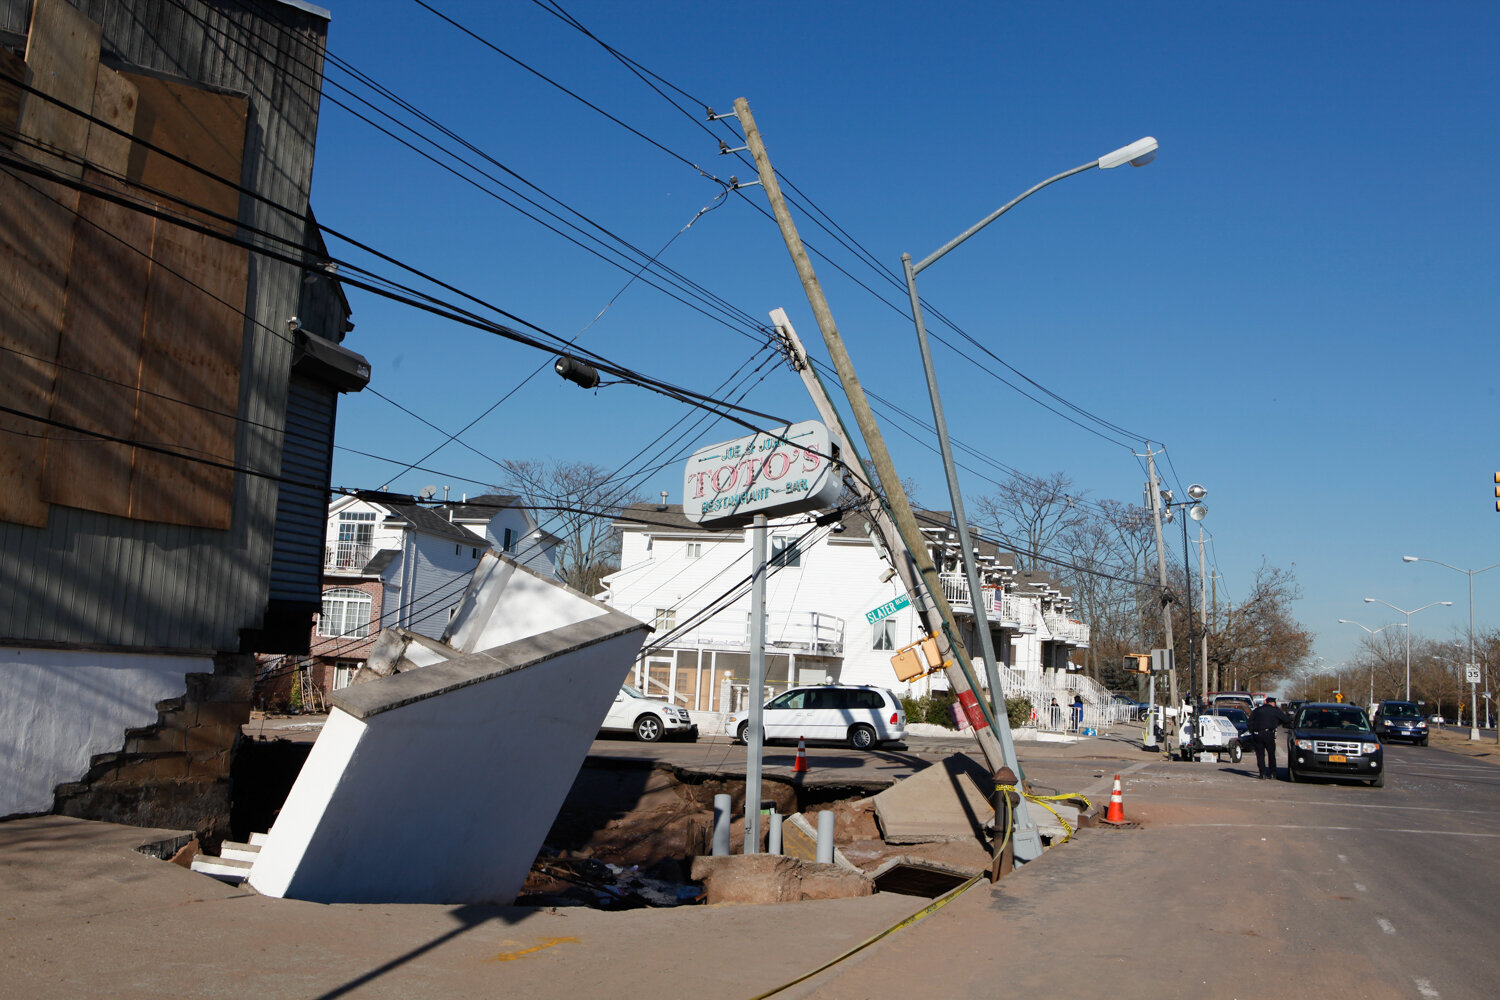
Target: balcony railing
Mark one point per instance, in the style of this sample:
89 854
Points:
347 556
1002 609
797 631
1069 630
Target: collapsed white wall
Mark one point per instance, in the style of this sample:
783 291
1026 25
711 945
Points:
438 784
59 708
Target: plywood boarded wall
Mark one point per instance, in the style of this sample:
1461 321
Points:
121 325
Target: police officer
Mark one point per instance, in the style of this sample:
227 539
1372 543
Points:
1263 723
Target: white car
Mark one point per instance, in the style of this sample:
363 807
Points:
649 718
860 715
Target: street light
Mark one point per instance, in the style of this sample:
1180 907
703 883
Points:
1137 154
1376 631
1473 716
1197 512
1408 614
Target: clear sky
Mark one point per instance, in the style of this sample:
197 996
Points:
1298 298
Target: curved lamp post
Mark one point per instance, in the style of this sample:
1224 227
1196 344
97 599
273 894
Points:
1137 154
1376 631
1473 716
1408 614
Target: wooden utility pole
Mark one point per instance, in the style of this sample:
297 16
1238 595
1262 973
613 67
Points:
916 566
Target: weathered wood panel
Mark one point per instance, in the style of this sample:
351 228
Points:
63 53
36 241
204 127
99 356
191 349
13 71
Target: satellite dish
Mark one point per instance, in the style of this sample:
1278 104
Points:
428 492
1197 512
1197 492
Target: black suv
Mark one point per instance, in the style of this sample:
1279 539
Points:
1401 720
1336 741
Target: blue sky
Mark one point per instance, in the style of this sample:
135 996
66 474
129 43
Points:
1298 297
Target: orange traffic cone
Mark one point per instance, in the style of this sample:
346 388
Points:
1116 813
800 764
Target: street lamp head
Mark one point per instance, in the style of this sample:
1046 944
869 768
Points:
1446 604
1347 621
1197 512
1411 558
1137 154
1369 600
1197 492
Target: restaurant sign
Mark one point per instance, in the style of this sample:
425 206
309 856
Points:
786 470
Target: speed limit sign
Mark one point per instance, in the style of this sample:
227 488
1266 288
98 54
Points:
1471 674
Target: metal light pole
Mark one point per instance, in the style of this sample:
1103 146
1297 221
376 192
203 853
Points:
1473 693
1137 154
1376 631
1408 614
1197 512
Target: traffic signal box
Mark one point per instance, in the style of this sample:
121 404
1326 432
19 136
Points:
1138 663
1497 491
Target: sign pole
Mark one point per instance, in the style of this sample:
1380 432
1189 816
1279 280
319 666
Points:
755 740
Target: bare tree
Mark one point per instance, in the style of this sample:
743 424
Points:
1034 511
1258 641
577 503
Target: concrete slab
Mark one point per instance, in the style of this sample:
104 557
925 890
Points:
951 800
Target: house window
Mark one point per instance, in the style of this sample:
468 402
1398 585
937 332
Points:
884 635
356 529
345 612
508 543
665 620
343 673
474 553
695 550
784 551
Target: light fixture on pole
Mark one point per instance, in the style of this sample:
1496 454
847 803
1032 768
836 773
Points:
1408 614
1197 512
1374 631
1471 573
1137 154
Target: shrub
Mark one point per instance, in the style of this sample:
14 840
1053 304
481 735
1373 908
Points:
1018 710
931 709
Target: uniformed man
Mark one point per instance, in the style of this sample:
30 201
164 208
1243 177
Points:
1263 723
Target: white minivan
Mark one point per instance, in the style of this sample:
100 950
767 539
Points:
649 718
860 715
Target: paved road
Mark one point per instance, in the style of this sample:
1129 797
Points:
1234 887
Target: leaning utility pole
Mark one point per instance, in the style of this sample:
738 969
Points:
1153 487
991 730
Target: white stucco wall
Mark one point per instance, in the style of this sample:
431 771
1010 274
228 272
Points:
59 708
445 799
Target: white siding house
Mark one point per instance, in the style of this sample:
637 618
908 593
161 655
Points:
693 586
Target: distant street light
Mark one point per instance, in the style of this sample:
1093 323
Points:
1408 614
1474 715
1375 631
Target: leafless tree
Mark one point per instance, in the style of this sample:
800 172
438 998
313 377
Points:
577 503
1034 512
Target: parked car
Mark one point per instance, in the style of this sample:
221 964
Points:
648 718
1334 740
1401 720
860 715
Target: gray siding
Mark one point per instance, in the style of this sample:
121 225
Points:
94 579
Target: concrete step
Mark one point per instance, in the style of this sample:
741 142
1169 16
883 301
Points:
238 852
257 840
224 869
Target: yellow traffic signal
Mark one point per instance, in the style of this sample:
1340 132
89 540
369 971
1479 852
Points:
1497 491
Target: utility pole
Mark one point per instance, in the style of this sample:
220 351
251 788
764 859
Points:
1203 613
991 730
1153 489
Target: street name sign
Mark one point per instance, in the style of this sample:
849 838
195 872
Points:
887 609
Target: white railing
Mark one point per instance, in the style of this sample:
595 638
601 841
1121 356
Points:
1002 609
1068 630
804 631
347 555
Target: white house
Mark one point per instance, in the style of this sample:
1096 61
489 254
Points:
387 563
825 587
